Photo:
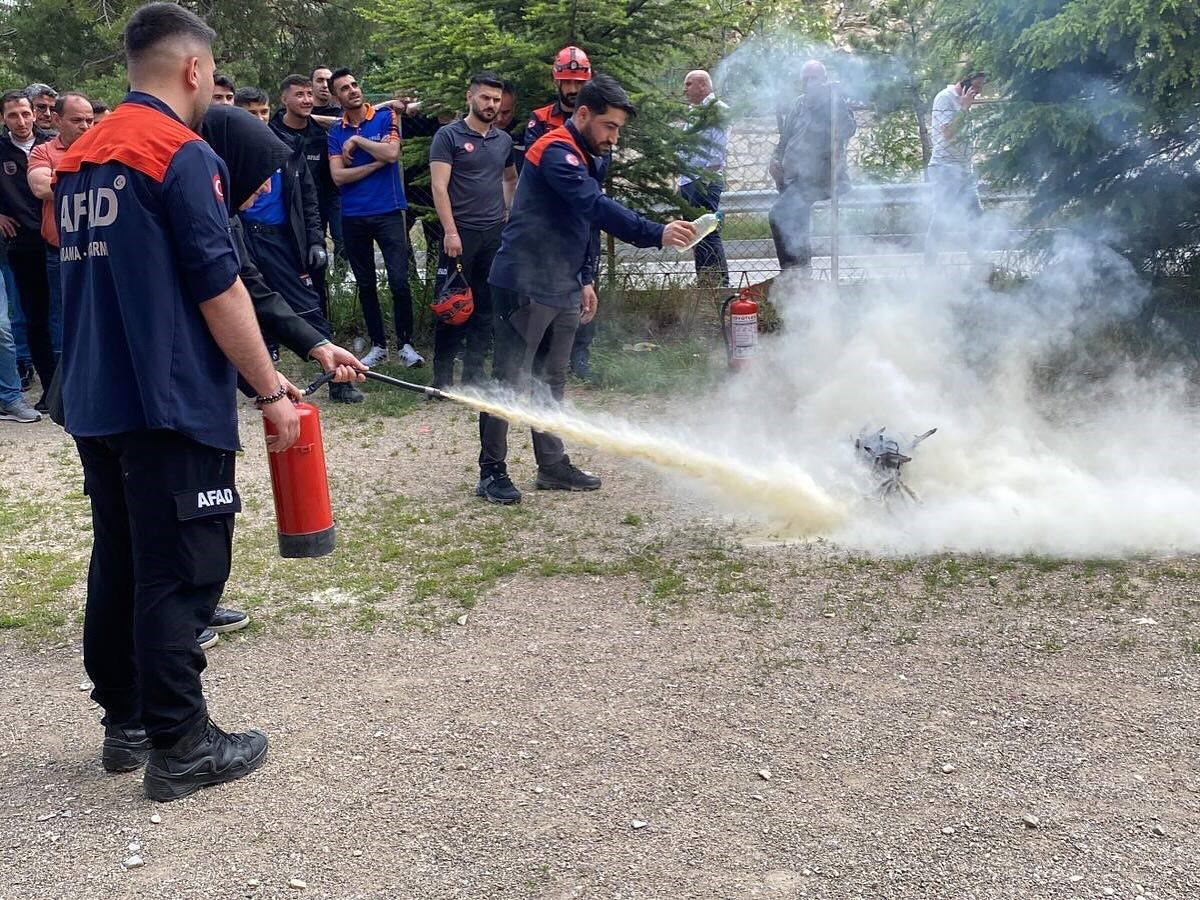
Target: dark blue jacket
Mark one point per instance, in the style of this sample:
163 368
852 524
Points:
145 238
551 243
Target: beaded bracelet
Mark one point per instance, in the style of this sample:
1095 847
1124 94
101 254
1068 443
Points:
260 402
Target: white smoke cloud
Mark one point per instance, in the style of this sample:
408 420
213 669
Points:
1051 437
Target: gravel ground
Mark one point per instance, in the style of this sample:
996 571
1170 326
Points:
643 708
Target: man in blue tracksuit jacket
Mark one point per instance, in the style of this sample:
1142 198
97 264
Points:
543 274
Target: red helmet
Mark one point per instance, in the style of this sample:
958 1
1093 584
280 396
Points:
455 302
572 64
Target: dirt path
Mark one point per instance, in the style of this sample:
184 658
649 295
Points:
627 664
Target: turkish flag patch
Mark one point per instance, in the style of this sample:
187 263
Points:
218 188
573 159
469 147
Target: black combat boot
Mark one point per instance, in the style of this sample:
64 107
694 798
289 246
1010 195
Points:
201 758
125 748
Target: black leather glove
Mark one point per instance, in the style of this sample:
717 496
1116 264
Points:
318 258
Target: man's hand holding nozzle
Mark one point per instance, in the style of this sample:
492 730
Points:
341 362
678 234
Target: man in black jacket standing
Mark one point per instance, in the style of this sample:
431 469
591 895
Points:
293 124
283 234
803 165
21 227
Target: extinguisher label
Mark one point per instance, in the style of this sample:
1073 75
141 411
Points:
207 501
745 335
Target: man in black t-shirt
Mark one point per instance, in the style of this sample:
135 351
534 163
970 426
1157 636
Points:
473 179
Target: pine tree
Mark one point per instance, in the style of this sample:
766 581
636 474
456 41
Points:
1101 114
76 44
430 48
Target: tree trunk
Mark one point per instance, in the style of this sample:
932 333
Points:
923 130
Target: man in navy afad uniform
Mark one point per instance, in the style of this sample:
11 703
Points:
544 272
156 320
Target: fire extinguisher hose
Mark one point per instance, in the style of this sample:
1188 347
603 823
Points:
386 379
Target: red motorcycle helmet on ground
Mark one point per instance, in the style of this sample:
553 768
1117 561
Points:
455 302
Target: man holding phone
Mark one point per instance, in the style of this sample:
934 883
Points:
951 172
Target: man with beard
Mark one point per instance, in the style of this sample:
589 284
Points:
572 69
21 225
473 179
364 154
543 275
42 98
156 326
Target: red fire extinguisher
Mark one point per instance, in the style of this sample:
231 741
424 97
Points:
303 511
739 325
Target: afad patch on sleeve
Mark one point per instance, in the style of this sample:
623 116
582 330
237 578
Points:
572 159
199 503
218 188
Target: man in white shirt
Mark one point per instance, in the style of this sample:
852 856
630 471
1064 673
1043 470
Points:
951 173
703 178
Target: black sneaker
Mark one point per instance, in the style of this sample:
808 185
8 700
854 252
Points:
562 476
26 372
207 638
497 487
225 619
42 406
345 392
203 757
125 749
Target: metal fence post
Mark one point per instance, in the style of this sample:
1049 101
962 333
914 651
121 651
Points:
833 186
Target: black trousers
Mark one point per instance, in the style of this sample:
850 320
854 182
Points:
162 531
27 257
710 252
361 233
330 211
791 227
479 249
276 256
521 324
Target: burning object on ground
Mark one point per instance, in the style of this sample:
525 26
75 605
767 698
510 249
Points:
886 455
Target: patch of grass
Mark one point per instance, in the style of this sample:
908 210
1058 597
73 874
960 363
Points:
906 636
632 519
677 366
1042 564
36 585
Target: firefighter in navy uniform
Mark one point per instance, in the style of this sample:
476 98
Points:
156 326
543 274
572 69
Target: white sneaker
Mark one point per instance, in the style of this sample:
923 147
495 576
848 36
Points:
376 356
409 357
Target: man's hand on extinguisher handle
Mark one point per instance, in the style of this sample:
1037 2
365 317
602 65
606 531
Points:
341 362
